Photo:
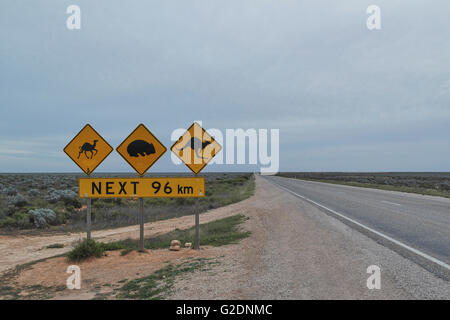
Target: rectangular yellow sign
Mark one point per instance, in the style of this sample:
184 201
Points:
141 187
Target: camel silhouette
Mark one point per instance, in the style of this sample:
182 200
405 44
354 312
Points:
197 145
88 147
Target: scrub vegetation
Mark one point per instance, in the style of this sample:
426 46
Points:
37 202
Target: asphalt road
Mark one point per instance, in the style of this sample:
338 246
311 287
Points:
421 222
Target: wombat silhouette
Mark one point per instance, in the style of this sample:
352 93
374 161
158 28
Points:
197 145
140 147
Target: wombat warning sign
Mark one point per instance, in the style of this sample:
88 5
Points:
141 149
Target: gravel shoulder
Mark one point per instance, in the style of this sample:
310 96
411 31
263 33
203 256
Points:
298 252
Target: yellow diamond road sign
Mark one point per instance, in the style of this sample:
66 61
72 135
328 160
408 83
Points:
196 148
88 149
141 149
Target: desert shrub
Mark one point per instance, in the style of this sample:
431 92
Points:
68 196
103 204
179 201
22 220
7 222
445 186
86 249
61 216
42 217
9 191
74 202
33 192
39 203
10 209
112 246
55 246
52 196
18 200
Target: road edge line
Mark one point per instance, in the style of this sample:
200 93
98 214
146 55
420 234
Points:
373 231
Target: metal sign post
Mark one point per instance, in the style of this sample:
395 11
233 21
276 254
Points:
88 218
141 222
88 149
141 149
88 215
141 233
191 148
197 226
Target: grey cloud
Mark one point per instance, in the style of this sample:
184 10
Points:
310 68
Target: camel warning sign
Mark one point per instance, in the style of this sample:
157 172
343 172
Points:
88 149
196 148
141 149
168 187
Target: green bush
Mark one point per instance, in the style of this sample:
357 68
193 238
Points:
103 204
55 246
72 202
86 249
112 246
22 220
61 216
8 222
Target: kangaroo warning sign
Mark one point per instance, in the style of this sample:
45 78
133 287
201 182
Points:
141 149
88 149
141 187
196 148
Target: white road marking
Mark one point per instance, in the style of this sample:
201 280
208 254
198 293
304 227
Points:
401 244
388 202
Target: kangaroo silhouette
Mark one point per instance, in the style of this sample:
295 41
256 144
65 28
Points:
140 147
197 145
88 147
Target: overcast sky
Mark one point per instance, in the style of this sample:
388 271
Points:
344 98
